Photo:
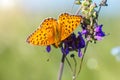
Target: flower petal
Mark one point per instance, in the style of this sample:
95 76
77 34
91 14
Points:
48 48
79 53
98 38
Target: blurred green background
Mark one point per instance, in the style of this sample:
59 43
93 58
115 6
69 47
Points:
21 61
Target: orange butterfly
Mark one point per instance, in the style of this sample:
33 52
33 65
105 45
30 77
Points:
53 31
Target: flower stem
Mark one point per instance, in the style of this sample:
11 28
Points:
74 73
78 10
69 64
61 67
81 62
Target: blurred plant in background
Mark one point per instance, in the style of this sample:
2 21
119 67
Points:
116 53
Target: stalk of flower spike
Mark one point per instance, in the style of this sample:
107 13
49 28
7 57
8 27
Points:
74 72
81 62
97 32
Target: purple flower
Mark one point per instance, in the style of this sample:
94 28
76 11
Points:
84 31
73 43
48 48
79 53
98 32
65 50
81 42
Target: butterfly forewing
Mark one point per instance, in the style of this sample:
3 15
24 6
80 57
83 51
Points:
45 34
68 24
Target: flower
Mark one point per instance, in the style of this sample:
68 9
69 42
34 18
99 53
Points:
98 32
81 42
65 50
48 48
84 31
93 33
103 3
73 43
79 53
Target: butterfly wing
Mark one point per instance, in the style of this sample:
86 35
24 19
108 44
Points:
68 24
45 34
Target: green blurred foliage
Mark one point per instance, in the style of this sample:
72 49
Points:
21 61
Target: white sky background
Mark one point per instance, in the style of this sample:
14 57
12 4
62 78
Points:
53 5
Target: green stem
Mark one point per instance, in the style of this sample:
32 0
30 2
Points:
81 62
78 11
69 64
74 73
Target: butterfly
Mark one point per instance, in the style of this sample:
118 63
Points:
53 31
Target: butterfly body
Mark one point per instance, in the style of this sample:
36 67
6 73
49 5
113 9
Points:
53 31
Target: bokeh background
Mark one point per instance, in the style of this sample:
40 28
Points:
21 61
